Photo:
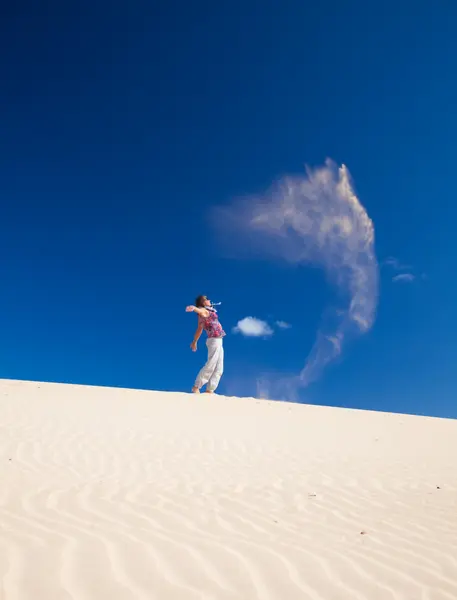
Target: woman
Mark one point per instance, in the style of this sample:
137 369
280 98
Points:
214 367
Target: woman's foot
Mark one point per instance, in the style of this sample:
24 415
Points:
209 392
195 390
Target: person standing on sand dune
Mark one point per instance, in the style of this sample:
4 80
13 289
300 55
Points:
208 320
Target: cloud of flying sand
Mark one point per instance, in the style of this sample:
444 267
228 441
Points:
316 219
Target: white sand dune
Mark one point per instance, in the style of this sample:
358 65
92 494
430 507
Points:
120 495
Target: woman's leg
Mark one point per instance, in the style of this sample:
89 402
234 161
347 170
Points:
206 372
218 370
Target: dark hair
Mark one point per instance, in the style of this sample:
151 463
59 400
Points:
200 301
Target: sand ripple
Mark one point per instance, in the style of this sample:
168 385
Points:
130 495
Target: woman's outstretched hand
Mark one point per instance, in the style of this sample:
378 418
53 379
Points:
190 308
193 346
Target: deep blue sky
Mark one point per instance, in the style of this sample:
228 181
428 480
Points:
123 123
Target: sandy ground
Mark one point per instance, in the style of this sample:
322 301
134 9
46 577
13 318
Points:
118 494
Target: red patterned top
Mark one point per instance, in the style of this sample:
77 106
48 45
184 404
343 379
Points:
211 325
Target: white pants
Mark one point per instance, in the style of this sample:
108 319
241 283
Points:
214 367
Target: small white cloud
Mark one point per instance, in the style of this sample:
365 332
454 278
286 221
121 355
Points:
391 262
405 277
252 327
395 264
283 325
